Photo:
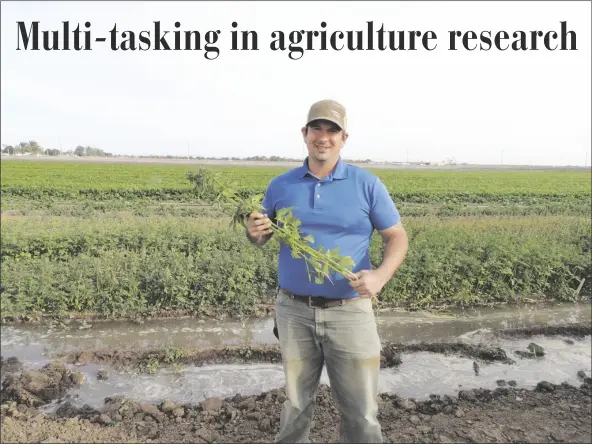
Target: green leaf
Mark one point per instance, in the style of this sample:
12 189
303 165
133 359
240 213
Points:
210 187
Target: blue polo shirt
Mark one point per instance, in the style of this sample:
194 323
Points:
340 211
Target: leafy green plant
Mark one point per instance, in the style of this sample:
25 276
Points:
150 265
132 240
173 354
149 365
211 187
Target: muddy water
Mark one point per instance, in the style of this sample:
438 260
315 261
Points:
419 375
36 344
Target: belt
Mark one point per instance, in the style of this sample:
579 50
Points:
318 301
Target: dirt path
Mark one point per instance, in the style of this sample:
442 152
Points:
550 413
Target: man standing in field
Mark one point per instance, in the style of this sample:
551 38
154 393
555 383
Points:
332 323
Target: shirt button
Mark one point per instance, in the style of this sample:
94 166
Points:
318 195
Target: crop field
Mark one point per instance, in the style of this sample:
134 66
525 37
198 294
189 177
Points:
104 181
133 239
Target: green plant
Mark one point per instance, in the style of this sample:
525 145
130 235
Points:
148 365
210 187
173 354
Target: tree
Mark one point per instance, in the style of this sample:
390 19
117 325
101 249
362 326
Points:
34 147
9 149
30 147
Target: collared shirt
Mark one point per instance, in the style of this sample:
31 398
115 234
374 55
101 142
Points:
340 211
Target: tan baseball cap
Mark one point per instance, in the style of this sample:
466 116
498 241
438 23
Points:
328 110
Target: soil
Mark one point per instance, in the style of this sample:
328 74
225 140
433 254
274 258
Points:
390 356
9 365
575 330
549 413
35 388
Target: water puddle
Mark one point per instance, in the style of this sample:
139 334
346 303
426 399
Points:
35 343
420 375
423 373
189 385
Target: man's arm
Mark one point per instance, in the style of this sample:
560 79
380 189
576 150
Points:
383 213
396 244
370 282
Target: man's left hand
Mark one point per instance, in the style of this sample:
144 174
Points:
368 283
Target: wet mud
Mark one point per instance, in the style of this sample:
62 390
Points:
391 355
549 413
125 360
392 352
34 388
10 365
573 330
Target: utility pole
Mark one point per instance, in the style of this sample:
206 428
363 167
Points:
502 157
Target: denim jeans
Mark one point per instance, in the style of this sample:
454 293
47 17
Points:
345 338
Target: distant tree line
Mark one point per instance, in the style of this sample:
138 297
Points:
32 147
89 151
251 158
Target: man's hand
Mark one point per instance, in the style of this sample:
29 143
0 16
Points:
258 228
368 283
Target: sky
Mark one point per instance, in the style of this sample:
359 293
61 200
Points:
480 107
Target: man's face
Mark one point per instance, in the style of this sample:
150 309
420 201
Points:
324 140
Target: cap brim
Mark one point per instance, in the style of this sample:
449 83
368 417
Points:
330 119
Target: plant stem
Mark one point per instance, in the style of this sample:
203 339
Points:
229 196
335 266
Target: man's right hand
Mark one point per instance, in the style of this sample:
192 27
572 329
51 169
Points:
258 227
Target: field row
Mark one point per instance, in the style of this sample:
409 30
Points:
188 196
104 181
135 266
89 209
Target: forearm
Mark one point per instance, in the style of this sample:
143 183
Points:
395 250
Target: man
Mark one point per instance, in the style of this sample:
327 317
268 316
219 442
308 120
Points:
332 323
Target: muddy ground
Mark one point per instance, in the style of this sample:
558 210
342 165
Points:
548 413
391 355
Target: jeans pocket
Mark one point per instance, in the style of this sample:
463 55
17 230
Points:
360 305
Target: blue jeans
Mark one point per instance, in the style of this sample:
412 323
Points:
345 338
